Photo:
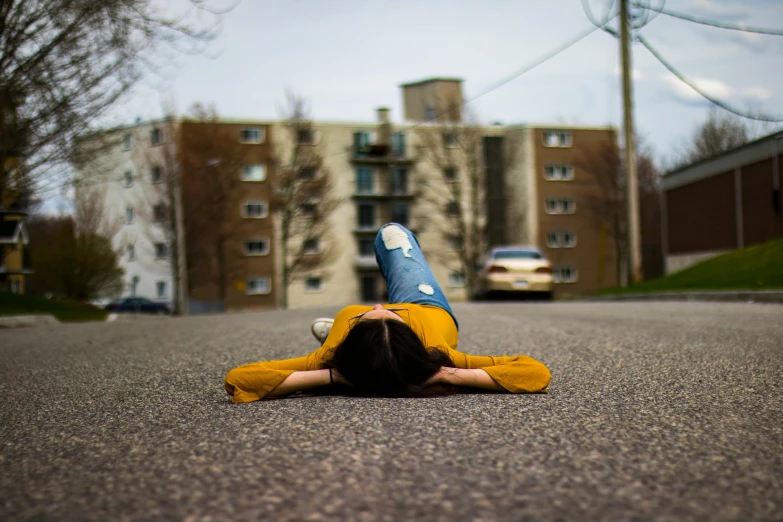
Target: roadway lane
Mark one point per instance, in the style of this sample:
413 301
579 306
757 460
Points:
656 411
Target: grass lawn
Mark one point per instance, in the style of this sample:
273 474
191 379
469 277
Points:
758 267
62 309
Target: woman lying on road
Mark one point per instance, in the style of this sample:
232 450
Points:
404 349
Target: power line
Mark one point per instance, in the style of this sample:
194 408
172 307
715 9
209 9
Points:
690 84
711 23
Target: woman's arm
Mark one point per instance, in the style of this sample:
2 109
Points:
305 380
516 374
472 378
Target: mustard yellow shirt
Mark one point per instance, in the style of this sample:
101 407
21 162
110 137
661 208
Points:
433 325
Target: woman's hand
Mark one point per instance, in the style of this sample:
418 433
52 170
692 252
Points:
443 376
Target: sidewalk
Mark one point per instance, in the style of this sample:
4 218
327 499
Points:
22 321
743 296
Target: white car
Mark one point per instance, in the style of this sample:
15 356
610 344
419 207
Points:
515 269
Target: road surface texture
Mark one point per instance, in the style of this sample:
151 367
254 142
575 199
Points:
656 411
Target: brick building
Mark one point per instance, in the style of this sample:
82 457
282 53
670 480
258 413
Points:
722 203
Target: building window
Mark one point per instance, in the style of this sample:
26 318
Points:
361 141
456 279
255 209
127 142
128 178
450 140
258 285
313 284
398 144
156 136
159 212
131 252
251 135
309 209
161 250
161 287
450 174
560 205
565 274
561 239
558 172
557 139
400 213
311 246
400 180
364 181
255 172
366 247
429 113
157 174
452 209
307 173
306 136
366 215
257 247
129 215
134 285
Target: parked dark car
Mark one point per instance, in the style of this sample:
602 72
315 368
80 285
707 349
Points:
138 305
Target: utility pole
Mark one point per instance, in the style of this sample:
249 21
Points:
634 228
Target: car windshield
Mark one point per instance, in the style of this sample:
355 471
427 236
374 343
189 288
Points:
516 254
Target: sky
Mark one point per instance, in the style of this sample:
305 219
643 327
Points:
348 57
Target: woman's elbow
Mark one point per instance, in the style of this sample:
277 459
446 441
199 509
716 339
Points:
541 378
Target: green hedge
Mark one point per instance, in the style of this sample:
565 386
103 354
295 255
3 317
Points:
62 309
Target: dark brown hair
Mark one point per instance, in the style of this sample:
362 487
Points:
385 358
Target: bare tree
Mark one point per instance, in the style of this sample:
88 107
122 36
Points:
720 132
158 206
73 256
63 63
211 189
456 192
606 202
304 197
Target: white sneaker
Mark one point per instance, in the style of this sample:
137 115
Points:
321 328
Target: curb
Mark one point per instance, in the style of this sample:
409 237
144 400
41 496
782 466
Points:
742 296
24 321
21 321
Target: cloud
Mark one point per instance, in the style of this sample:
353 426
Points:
715 88
750 37
757 93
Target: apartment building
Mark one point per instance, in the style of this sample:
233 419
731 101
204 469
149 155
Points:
227 170
564 202
539 188
128 170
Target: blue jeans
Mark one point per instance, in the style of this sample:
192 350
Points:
408 276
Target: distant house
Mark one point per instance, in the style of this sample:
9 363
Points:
722 203
14 258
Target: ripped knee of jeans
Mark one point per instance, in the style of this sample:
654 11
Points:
394 237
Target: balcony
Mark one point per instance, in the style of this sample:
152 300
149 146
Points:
384 195
379 153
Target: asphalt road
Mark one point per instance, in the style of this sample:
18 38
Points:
656 411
